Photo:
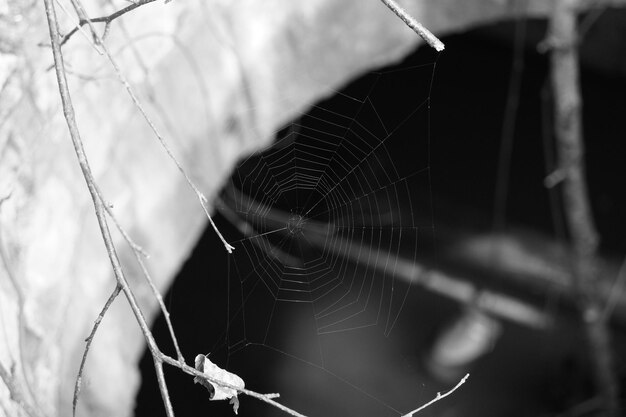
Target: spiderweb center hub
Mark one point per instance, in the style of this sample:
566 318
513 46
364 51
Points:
295 224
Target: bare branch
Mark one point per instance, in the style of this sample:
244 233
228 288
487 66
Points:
164 311
257 239
104 19
78 26
158 366
203 201
157 355
268 398
615 293
563 38
417 27
68 111
79 377
438 397
134 246
139 254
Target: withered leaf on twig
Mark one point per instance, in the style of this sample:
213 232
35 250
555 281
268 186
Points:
217 391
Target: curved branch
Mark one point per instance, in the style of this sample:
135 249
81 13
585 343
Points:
157 355
563 38
68 111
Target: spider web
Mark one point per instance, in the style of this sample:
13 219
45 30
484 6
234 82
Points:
323 222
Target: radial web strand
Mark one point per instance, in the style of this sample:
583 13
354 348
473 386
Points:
323 221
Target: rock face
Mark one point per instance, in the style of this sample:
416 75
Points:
217 79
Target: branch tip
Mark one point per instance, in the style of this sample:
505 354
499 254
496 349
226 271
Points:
416 26
438 397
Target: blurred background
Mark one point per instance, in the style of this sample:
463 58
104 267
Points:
497 299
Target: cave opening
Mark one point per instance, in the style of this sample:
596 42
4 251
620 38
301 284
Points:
527 371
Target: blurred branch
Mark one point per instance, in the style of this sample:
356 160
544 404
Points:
563 39
440 282
525 264
15 392
528 264
4 257
615 293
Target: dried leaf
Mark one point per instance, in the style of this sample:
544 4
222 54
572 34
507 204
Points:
216 391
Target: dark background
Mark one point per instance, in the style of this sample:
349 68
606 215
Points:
529 372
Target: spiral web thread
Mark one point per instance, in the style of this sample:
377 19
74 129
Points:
323 215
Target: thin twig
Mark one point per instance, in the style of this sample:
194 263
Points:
78 26
417 27
263 397
438 397
615 293
507 135
590 20
254 237
134 246
563 39
157 355
164 311
79 378
139 255
203 201
137 250
70 117
104 19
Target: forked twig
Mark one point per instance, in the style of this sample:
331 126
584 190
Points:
104 19
107 207
268 398
157 355
70 118
203 201
78 26
438 397
417 27
79 378
164 311
101 209
139 255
